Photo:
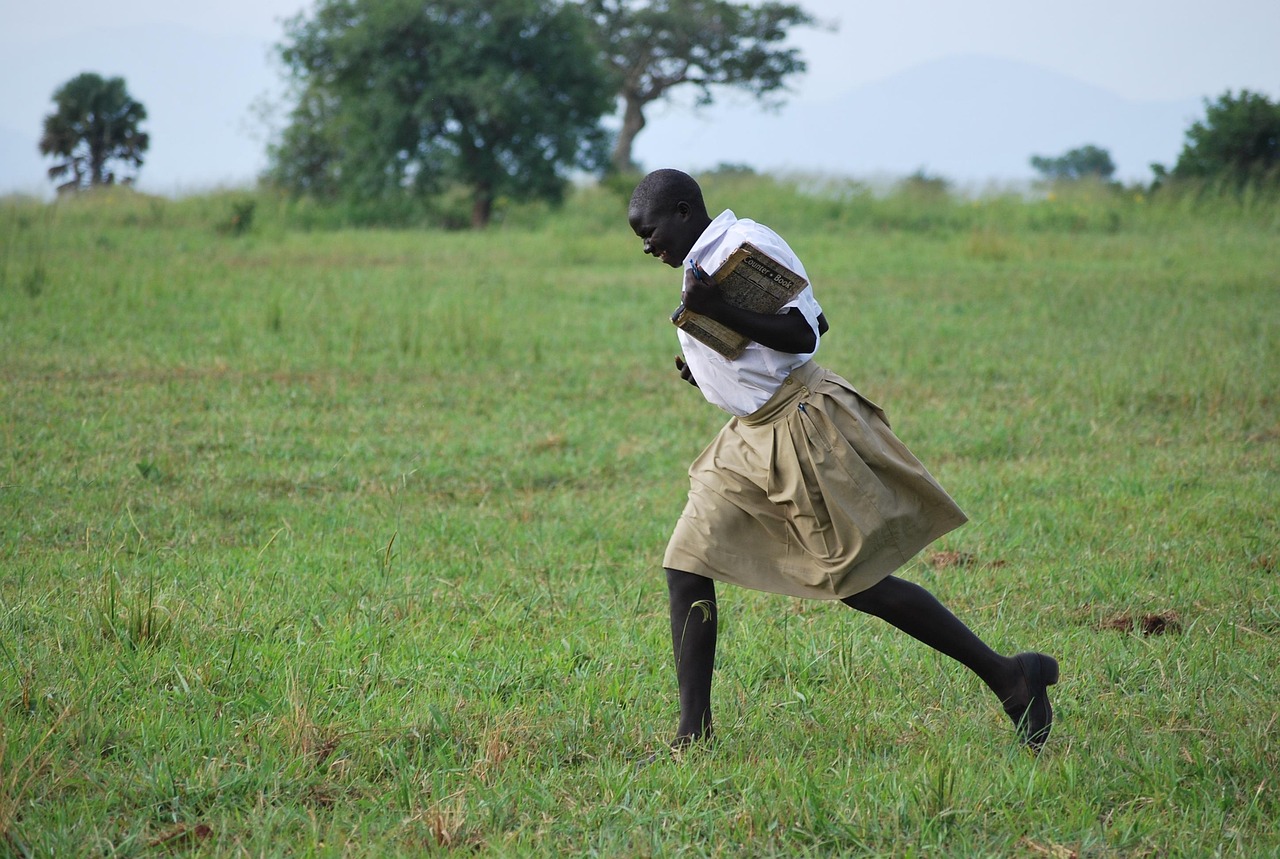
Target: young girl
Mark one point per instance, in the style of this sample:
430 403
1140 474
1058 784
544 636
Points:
805 491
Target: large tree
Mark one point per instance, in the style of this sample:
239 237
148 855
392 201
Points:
403 97
1084 162
654 46
95 123
1237 142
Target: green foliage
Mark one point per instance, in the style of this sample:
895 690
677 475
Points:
307 158
923 185
398 100
653 47
1235 145
240 219
732 168
96 123
1085 162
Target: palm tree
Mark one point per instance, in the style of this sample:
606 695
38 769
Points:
96 122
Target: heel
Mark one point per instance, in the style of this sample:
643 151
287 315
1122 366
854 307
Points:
1048 669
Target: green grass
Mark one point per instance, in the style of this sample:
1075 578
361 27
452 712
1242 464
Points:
346 542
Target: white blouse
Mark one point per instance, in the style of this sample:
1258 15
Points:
746 383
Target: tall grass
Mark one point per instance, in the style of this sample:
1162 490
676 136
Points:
345 541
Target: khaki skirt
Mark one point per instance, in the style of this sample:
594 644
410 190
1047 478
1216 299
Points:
810 496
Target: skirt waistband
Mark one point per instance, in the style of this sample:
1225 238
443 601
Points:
795 387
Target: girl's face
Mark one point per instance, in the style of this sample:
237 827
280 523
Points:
668 234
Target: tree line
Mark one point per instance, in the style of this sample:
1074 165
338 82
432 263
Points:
1236 144
505 98
393 102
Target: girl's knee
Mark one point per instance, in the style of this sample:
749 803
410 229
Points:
886 595
689 586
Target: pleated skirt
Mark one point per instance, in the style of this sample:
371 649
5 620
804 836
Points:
810 496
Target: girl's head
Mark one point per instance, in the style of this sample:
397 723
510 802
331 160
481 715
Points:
668 213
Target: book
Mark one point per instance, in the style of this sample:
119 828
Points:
750 279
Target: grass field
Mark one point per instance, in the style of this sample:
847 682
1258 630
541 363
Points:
347 542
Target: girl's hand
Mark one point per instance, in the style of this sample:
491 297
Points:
685 372
700 294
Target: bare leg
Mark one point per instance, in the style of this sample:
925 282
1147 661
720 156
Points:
1020 682
694 622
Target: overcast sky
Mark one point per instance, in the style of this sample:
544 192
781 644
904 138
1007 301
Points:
1137 49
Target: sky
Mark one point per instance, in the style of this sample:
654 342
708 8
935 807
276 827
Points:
205 74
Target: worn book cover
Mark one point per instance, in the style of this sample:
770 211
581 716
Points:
750 279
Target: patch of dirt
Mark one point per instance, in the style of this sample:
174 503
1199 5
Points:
1158 623
182 837
946 560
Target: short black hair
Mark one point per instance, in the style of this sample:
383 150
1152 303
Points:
663 189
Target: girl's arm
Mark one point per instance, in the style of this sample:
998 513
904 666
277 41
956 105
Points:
785 332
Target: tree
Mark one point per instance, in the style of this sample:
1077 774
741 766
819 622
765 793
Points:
653 46
1085 162
96 122
1237 142
400 98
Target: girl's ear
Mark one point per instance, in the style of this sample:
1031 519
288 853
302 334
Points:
683 209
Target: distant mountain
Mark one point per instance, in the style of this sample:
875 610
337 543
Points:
970 119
